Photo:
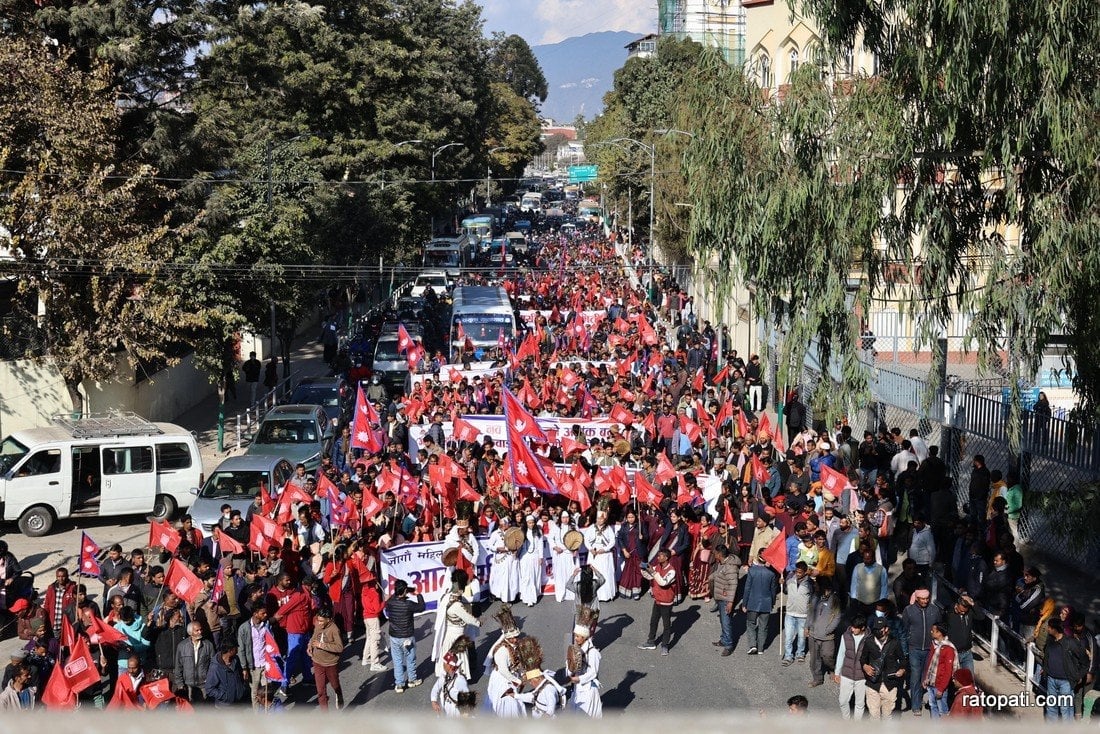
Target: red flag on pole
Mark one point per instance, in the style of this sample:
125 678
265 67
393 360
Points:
183 582
79 670
775 555
645 491
722 376
833 481
729 516
371 505
264 533
68 634
101 633
163 535
156 692
57 694
525 467
463 430
743 428
404 341
699 381
519 420
227 544
665 471
765 425
89 563
360 424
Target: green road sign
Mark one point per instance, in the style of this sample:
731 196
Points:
581 174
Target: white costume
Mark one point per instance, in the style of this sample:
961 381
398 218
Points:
504 573
544 698
531 567
471 549
601 556
502 680
586 691
453 619
445 692
565 560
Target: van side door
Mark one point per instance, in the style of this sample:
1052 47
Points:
129 482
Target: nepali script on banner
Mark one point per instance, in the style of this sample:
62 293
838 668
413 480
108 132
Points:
421 566
495 427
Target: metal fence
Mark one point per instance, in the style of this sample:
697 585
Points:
20 339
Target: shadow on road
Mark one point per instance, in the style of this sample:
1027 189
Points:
683 620
621 695
610 630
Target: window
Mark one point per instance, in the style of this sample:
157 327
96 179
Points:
47 461
765 72
128 460
172 456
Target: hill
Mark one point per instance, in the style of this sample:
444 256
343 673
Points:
579 71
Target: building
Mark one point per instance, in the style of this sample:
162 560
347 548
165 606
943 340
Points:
643 47
714 23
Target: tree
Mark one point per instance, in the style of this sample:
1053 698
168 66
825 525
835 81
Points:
79 239
512 62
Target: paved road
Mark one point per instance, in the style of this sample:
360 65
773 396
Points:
693 676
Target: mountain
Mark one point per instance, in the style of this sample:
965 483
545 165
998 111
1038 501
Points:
579 71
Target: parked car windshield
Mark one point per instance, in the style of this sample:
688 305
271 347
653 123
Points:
387 351
11 451
327 396
233 485
288 431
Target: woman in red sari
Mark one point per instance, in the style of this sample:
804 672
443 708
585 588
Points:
632 545
699 573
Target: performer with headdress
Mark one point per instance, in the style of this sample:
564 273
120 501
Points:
531 562
504 573
585 585
600 539
461 549
565 559
582 665
502 666
544 694
454 618
448 687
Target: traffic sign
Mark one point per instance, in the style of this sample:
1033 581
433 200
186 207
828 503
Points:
581 174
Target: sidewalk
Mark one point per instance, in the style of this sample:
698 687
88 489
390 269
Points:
306 360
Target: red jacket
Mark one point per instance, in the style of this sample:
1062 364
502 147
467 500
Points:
945 667
371 599
293 610
68 603
664 595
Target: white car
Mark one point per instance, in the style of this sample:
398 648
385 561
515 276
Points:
437 280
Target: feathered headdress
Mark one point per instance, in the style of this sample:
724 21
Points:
587 617
507 622
529 656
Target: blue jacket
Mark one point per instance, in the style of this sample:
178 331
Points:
225 684
761 585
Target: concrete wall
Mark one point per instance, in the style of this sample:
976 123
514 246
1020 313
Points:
32 392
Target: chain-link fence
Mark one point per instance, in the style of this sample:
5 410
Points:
20 339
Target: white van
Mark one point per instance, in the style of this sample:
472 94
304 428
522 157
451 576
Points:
96 466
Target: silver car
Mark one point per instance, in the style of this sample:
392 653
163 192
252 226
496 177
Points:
236 482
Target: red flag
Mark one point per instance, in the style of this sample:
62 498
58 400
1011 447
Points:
645 491
227 544
620 484
218 591
665 471
414 356
729 517
759 471
722 376
101 633
267 501
619 414
466 492
833 481
683 494
775 555
570 446
272 671
463 430
649 423
777 439
79 670
765 425
569 378
621 326
519 421
404 341
454 375
581 475
68 634
690 429
125 696
156 693
371 505
574 491
361 432
699 381
603 481
725 412
163 535
526 469
183 706
89 563
450 467
57 694
743 429
183 582
264 533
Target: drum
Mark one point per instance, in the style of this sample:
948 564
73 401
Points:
450 557
514 538
573 540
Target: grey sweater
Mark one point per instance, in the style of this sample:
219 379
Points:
798 596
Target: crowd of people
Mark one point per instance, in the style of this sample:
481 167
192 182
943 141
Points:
694 492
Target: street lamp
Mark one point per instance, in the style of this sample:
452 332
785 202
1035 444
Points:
652 151
436 152
488 172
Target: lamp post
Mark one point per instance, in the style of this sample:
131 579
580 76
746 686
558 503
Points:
652 151
435 153
489 173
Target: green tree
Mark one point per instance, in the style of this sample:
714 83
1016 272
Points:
511 61
81 244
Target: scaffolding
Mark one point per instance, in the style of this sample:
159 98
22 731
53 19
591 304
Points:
107 425
670 17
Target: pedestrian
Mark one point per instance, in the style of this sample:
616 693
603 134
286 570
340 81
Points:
965 704
251 370
271 373
1064 664
821 626
723 580
532 562
292 609
761 586
324 649
225 682
252 639
918 620
799 592
960 630
370 599
662 578
883 670
453 614
847 673
194 655
943 661
400 610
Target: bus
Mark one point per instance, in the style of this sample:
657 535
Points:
481 314
590 210
478 229
450 254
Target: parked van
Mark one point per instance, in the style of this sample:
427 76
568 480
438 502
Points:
96 466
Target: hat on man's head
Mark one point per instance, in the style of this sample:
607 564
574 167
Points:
19 606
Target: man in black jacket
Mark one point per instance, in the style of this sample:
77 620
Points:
400 610
883 670
960 630
165 630
978 493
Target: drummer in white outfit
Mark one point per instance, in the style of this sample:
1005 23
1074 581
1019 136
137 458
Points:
531 563
600 540
504 573
586 684
565 560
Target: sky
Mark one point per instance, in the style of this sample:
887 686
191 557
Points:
549 21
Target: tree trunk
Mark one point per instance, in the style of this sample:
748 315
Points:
73 386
